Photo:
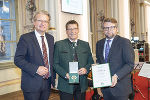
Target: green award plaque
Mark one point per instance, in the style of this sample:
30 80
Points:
73 78
73 72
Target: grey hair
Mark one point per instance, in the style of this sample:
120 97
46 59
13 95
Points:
41 12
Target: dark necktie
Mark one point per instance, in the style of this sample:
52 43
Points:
45 57
74 44
75 58
107 48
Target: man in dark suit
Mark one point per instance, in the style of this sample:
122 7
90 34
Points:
34 56
118 52
64 54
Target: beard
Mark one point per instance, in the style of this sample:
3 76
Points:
110 36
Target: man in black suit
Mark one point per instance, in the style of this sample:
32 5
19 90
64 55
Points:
118 52
34 56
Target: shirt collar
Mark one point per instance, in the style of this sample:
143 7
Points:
38 34
110 39
73 41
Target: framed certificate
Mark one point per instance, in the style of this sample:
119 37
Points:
73 72
72 6
145 70
101 75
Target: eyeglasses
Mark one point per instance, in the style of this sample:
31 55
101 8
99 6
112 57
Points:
72 29
109 28
43 21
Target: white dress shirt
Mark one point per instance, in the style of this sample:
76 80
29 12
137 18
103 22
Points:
38 36
105 45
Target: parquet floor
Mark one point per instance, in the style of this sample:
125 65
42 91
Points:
19 96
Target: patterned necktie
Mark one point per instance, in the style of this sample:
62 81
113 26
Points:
74 44
45 57
107 48
75 57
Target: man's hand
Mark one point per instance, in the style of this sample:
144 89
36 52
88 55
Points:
67 76
42 70
114 80
100 92
82 71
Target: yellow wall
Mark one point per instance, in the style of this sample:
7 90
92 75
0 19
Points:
9 80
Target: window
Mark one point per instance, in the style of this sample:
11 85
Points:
7 30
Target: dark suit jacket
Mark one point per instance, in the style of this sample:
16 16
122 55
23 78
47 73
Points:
28 58
63 54
121 60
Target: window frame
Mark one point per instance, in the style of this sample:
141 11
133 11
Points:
10 63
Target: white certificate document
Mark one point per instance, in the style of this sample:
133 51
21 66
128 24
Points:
145 71
101 75
73 67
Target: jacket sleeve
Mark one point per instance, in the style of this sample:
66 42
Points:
90 59
20 58
57 67
128 57
97 53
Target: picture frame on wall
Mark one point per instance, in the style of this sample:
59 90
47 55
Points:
72 6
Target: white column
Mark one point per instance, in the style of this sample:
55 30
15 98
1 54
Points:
114 8
147 23
50 7
85 21
142 21
115 11
124 18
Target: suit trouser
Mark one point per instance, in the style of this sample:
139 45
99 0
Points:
77 95
42 94
107 95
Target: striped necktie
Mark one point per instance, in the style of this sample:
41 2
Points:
45 57
107 48
75 57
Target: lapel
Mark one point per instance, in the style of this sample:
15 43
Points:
68 44
49 42
78 47
36 44
69 47
113 46
102 49
50 46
